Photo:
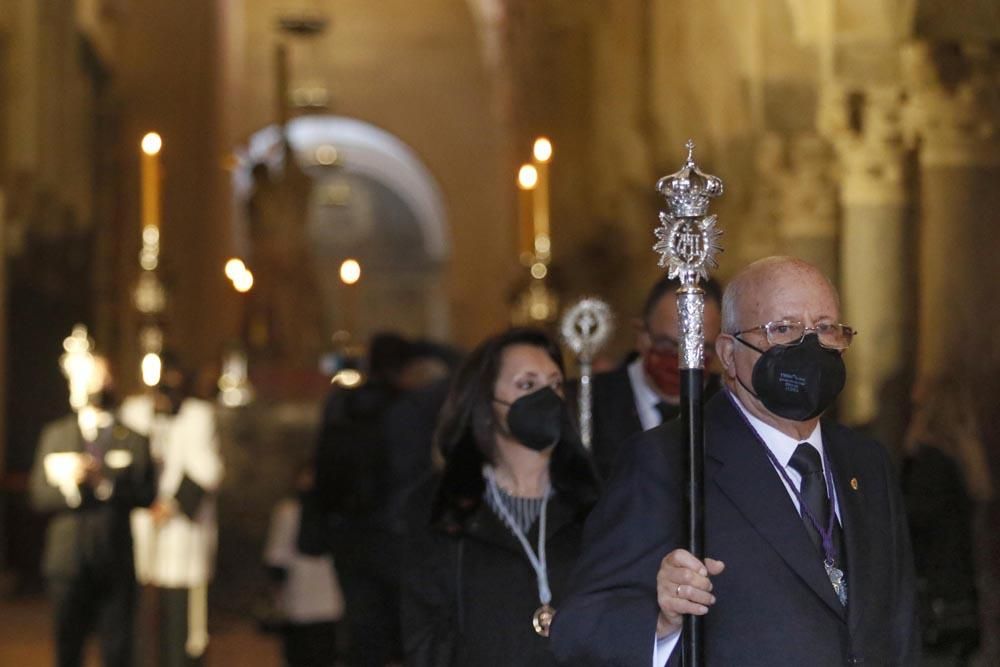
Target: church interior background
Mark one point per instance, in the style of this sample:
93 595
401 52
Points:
862 135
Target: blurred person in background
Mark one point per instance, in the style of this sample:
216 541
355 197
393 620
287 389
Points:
946 482
308 601
646 390
350 504
409 430
491 566
90 471
176 538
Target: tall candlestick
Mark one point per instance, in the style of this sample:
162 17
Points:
350 274
150 175
542 153
150 297
527 180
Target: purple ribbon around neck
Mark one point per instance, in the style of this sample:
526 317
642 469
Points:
829 549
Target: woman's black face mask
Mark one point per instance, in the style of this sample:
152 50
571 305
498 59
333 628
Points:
797 382
536 419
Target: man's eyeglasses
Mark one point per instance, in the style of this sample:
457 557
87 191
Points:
790 332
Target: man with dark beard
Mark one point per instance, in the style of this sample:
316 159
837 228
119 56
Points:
809 559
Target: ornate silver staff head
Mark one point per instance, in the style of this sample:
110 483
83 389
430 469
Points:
586 326
688 238
688 242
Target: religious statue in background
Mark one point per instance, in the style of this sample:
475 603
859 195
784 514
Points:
284 319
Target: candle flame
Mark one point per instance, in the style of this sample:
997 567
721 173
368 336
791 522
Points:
151 143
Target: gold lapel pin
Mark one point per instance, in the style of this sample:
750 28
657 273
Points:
854 483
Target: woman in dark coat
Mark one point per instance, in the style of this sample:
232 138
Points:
476 593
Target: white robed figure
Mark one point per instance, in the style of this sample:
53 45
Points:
175 539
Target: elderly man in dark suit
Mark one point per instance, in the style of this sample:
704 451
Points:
90 471
810 557
646 391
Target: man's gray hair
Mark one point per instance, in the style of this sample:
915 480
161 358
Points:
731 298
736 290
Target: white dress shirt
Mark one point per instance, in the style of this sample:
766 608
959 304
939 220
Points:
783 447
646 399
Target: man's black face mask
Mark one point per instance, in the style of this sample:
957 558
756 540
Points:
797 382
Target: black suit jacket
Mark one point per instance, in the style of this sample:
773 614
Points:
615 417
95 534
775 605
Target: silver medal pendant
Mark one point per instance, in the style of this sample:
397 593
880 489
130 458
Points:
837 579
542 619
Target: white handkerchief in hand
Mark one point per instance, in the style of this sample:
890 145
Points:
63 468
118 458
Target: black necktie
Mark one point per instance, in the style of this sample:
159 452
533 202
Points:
667 411
807 462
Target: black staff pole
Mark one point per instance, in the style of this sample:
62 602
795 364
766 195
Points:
687 243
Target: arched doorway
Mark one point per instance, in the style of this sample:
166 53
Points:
370 198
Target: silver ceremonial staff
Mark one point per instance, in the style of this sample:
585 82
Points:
687 244
586 327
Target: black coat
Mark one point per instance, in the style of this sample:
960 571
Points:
96 534
409 434
775 605
616 418
469 592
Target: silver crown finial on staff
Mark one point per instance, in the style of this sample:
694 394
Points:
687 236
688 242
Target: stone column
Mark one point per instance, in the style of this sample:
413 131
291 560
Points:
954 116
807 227
864 127
757 237
3 345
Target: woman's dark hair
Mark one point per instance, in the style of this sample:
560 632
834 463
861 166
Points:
466 430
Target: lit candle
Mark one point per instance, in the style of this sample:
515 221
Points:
527 179
542 153
350 274
150 174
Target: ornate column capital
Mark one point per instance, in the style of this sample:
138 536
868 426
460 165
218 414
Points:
953 109
809 202
864 124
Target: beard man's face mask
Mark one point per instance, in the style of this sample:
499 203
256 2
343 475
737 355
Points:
797 382
662 369
536 419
